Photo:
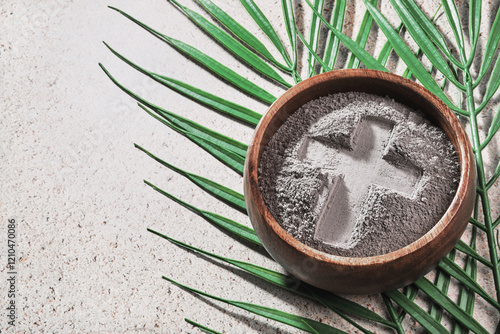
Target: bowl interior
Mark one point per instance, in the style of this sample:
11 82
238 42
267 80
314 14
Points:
372 82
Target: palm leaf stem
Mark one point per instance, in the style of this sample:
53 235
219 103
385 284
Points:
483 193
476 223
497 222
494 178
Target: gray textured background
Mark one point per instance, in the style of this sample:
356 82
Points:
72 179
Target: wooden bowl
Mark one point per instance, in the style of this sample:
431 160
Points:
361 274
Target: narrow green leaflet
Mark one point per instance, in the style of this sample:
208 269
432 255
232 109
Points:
386 49
229 108
314 36
467 297
392 313
362 37
410 292
458 273
332 302
225 224
446 303
266 27
289 17
233 160
209 63
492 181
233 46
417 313
466 249
228 196
203 328
239 31
424 43
442 283
491 48
409 58
188 125
311 52
495 123
492 87
203 132
431 30
474 27
358 51
456 26
305 324
336 303
332 41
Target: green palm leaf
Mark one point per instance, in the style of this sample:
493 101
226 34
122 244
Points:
229 158
244 45
308 325
233 46
229 108
332 42
225 194
362 37
358 51
209 63
409 58
266 27
201 327
417 312
314 36
225 224
239 31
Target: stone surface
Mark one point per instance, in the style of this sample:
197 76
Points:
72 179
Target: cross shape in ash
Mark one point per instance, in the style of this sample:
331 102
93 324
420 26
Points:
350 173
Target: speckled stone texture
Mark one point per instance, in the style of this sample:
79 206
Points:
71 177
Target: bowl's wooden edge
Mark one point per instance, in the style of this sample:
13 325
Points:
458 213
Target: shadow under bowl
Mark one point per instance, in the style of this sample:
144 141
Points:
374 274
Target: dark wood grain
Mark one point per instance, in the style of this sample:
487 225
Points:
371 274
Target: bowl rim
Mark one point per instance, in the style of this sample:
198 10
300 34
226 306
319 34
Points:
465 155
